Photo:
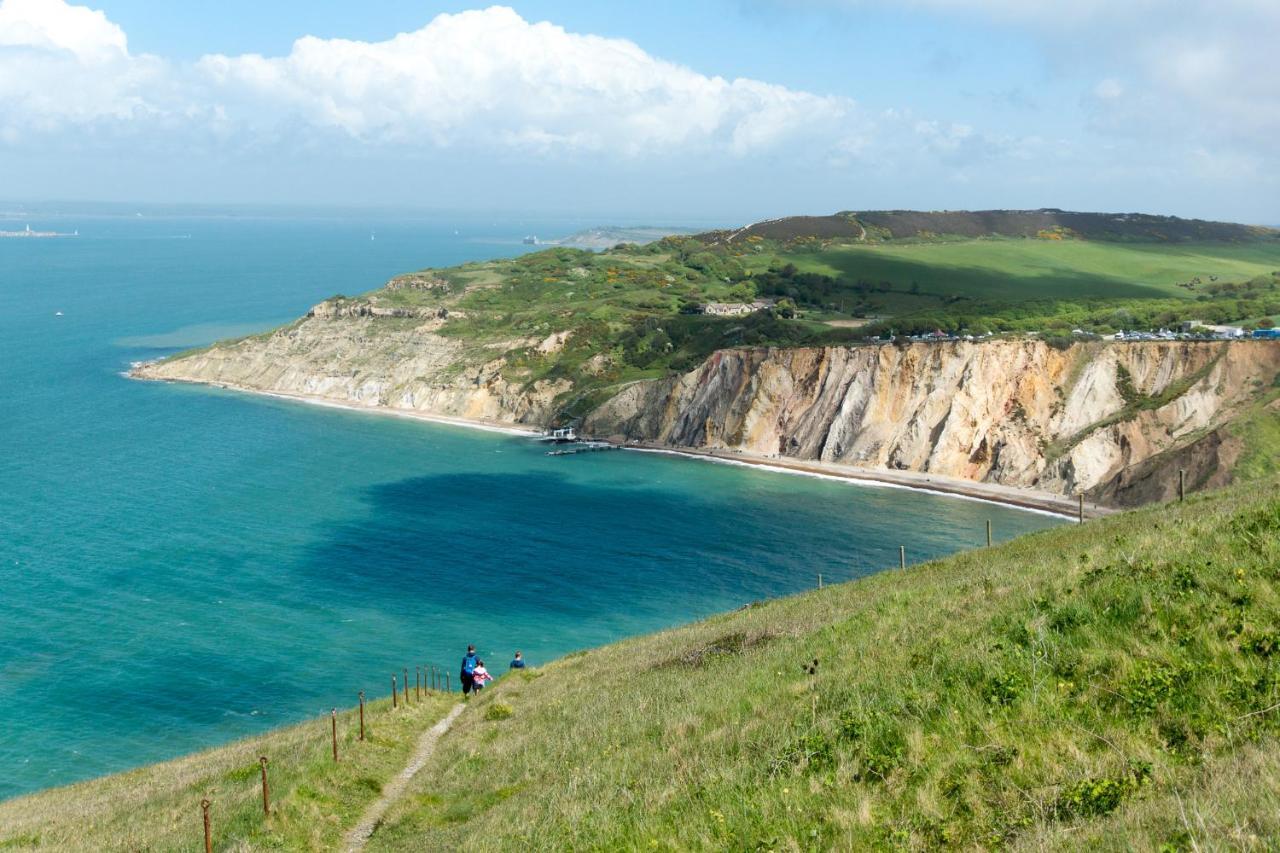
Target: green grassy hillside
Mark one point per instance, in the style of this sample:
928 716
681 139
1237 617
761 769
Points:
1108 686
314 801
1046 223
1114 685
1020 270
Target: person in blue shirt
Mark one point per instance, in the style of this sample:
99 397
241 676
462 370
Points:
467 676
518 663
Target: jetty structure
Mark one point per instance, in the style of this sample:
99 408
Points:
584 447
563 435
568 442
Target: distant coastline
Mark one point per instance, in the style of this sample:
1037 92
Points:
28 234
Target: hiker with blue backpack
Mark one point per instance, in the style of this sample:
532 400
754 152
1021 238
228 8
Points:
468 675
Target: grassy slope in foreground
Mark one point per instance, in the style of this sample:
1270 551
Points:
314 801
1114 685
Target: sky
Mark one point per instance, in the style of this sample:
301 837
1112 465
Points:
728 109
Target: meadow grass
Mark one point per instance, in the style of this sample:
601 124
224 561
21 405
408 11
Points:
314 801
1019 270
1259 428
1112 685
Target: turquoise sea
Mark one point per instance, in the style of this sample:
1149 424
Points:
181 566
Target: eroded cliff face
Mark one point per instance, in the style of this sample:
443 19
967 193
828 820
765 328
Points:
1018 413
393 359
1113 420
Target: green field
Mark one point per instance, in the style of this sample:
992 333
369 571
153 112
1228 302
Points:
1108 686
1019 270
1012 286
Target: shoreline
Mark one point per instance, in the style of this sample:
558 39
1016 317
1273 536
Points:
1029 500
1019 498
503 427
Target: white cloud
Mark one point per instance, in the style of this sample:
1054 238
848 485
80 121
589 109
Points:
54 25
1205 68
62 64
480 79
489 76
451 98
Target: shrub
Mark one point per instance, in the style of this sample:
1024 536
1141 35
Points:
1100 796
498 711
1149 685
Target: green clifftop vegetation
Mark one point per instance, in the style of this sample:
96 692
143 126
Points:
632 312
1114 685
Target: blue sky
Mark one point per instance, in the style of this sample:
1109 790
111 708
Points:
718 108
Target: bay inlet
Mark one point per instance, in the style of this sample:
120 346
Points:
182 566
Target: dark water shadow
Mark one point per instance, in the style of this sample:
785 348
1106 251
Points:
544 543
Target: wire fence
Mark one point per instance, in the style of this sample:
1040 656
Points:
435 679
429 680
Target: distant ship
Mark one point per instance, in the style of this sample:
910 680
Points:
531 240
28 233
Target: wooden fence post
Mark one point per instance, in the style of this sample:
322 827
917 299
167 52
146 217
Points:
266 792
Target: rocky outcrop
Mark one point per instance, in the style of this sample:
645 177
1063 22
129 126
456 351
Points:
343 309
353 352
1018 413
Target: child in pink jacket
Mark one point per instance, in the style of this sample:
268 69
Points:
480 677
